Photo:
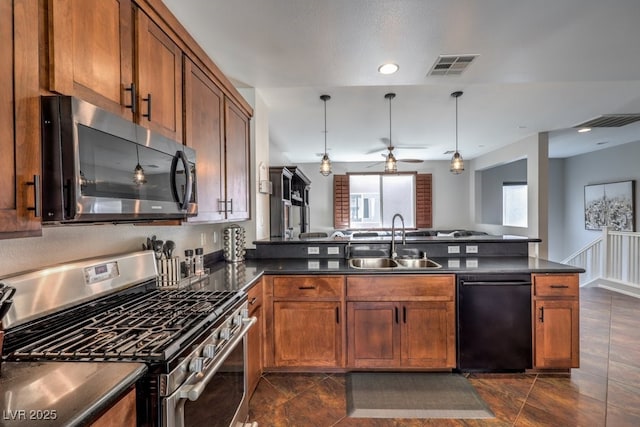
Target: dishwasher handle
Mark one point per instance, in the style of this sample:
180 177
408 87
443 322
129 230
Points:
495 283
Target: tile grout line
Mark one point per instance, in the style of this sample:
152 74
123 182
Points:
524 402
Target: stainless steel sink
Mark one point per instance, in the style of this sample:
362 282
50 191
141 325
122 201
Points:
421 263
373 263
388 263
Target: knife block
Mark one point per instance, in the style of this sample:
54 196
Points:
169 272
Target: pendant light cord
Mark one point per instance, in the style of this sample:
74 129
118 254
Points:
456 124
325 125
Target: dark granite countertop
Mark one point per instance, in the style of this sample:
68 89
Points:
242 275
409 238
62 393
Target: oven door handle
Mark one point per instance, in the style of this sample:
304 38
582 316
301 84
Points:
193 391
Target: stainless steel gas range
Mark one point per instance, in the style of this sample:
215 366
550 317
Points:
109 309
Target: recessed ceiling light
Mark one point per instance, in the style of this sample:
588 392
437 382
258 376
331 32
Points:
388 68
583 130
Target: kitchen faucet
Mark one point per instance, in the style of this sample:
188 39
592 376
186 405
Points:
393 235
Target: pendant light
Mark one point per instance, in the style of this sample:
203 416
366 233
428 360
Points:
325 164
390 165
138 172
457 163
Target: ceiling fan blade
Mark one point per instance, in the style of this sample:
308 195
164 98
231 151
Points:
410 160
374 164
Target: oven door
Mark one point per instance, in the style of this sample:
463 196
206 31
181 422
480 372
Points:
215 396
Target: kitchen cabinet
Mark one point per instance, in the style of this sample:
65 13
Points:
255 338
305 322
120 414
219 132
401 321
19 120
204 127
111 54
556 317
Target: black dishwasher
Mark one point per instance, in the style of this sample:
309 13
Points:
494 322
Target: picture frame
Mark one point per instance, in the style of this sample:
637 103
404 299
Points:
610 205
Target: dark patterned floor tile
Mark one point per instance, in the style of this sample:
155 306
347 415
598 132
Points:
504 395
294 384
322 405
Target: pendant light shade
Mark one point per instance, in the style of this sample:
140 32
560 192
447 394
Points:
138 172
325 164
390 164
457 163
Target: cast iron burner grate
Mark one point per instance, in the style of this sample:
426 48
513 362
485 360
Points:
151 326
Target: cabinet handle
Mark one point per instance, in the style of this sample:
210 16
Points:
337 315
302 288
231 204
221 206
253 301
148 101
404 314
132 89
397 319
541 318
37 206
559 286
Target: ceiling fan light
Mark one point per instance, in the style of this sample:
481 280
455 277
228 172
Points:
325 165
390 165
457 164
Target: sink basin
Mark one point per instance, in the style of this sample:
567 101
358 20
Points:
388 263
373 263
417 263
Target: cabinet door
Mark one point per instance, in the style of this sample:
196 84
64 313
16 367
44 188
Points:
428 334
307 333
121 414
373 334
237 156
91 54
204 132
19 118
159 62
254 339
556 336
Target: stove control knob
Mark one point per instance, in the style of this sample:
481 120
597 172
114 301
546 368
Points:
196 364
209 351
225 334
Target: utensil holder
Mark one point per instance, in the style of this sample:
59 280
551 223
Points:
169 271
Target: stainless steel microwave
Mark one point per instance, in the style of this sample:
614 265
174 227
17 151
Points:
99 167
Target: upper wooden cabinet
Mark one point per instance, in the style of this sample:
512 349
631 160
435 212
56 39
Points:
219 132
19 119
204 127
110 53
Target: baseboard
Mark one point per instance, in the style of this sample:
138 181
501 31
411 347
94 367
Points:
612 285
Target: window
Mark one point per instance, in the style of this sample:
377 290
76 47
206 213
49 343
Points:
375 198
514 204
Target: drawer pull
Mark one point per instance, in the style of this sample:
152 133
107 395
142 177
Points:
559 286
404 314
337 315
305 288
397 317
541 318
253 301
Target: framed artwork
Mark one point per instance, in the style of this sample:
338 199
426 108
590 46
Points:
611 205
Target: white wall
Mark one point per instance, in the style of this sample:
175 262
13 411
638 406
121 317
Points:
557 251
450 193
619 163
535 149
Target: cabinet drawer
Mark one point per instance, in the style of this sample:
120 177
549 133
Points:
254 297
308 287
555 285
416 287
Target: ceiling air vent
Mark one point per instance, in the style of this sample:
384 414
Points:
610 121
451 65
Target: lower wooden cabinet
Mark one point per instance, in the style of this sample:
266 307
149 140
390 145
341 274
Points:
305 321
255 338
556 318
401 321
120 414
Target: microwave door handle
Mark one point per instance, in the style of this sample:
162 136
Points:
180 155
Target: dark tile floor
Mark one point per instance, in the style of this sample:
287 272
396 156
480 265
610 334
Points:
604 391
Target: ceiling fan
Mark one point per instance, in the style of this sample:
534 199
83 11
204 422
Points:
390 163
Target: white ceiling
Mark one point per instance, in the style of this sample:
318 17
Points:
543 65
